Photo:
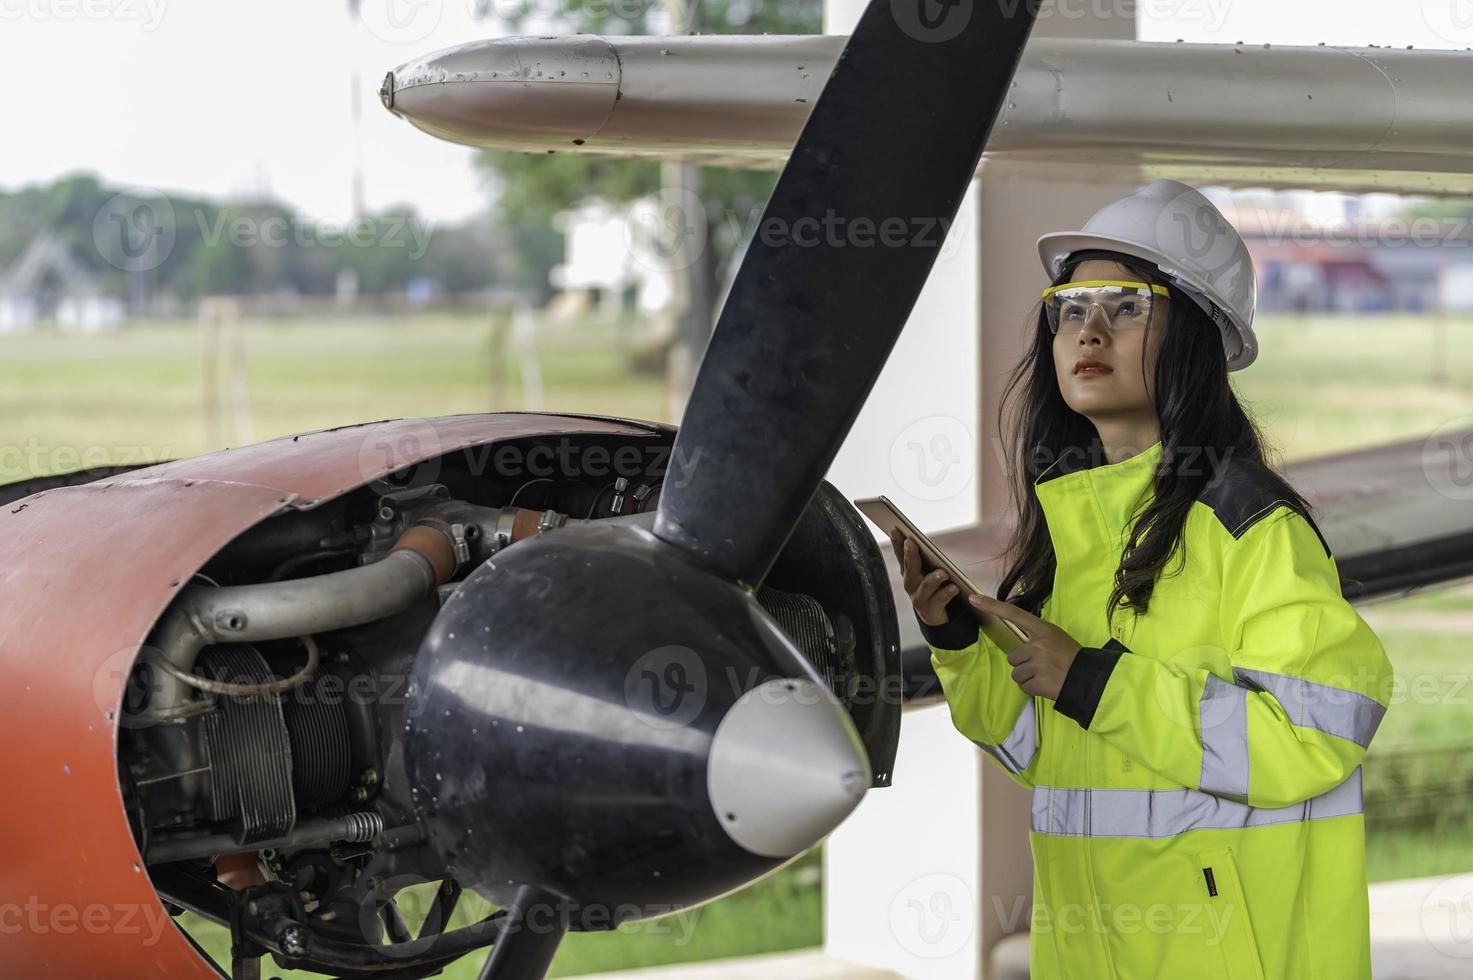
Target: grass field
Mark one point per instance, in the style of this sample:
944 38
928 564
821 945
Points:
138 394
1319 385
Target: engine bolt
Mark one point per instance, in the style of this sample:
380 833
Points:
293 943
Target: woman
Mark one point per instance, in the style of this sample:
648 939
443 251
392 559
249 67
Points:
1195 695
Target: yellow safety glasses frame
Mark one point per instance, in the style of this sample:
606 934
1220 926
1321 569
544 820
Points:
1126 305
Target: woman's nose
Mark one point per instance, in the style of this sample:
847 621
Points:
1097 318
1096 325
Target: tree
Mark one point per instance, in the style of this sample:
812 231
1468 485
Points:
534 187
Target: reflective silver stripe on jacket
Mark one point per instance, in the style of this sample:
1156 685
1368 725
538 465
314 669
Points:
1223 717
1169 812
1332 710
1018 750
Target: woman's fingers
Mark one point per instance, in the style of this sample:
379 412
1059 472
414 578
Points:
1022 618
932 608
910 563
943 595
907 570
926 588
929 593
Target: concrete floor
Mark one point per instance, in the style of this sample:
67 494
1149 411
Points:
1421 929
805 964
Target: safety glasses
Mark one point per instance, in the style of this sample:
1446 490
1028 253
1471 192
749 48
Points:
1126 305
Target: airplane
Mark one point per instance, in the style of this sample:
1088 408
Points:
564 682
594 670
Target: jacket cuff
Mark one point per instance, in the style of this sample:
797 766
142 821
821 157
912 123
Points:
1084 685
957 633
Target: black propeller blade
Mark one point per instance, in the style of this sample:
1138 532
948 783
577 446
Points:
604 723
845 244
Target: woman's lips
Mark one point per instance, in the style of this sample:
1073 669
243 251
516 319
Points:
1092 372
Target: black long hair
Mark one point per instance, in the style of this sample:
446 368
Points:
1202 425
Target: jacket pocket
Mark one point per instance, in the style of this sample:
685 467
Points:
1229 926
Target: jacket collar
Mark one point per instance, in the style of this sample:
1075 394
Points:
1087 501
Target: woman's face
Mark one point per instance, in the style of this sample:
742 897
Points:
1123 390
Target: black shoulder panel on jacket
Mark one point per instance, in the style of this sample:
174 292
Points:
1244 492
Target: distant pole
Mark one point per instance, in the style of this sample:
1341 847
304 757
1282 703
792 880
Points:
242 430
690 286
691 269
524 330
222 373
497 342
360 208
209 373
1439 325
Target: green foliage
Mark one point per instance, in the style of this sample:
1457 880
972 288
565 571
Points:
534 187
1440 209
258 247
75 211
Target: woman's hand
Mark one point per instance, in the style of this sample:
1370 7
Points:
929 593
1040 664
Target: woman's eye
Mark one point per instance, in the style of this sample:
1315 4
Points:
1127 308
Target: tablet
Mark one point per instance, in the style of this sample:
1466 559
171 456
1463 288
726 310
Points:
887 517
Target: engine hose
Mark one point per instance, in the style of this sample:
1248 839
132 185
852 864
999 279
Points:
211 686
420 561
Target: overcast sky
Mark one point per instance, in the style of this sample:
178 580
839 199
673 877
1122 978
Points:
232 97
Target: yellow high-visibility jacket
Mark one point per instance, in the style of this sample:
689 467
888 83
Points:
1196 807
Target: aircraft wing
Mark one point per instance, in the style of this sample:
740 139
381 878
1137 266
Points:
1353 119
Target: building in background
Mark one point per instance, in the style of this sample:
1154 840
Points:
607 254
1339 253
48 284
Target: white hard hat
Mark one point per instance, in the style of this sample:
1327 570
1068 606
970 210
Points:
1176 228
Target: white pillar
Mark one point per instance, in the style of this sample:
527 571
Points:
901 889
914 439
927 875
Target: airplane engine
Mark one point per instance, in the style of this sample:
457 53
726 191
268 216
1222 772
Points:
395 687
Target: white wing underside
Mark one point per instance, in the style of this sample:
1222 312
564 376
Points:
1354 119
